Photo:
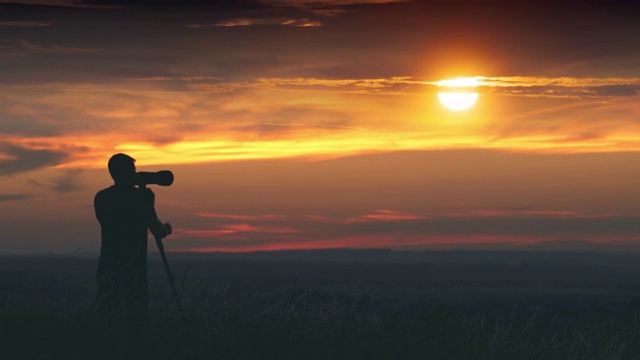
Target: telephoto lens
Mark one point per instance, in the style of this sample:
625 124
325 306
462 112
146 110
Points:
162 178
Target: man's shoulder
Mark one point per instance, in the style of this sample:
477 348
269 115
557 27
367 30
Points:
113 192
102 195
105 191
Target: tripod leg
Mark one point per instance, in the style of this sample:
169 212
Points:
170 276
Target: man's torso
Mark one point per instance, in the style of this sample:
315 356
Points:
122 213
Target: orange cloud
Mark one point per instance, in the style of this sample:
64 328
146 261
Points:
391 215
385 215
403 230
239 217
451 242
235 229
258 21
163 120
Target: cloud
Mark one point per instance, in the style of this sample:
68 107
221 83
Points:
515 86
240 217
182 78
24 124
384 215
283 128
328 3
19 47
230 230
519 212
162 118
259 21
219 4
232 4
561 86
17 159
24 24
13 197
531 81
501 224
67 182
338 84
514 226
328 12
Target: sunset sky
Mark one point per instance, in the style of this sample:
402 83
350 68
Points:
316 124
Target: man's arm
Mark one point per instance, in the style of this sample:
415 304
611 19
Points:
98 206
153 223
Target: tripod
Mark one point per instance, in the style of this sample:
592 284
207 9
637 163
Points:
170 276
166 266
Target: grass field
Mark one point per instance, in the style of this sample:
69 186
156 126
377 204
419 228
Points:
336 305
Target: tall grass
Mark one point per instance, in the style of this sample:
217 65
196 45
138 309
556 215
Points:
227 320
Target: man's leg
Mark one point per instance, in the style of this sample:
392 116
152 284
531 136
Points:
137 298
107 299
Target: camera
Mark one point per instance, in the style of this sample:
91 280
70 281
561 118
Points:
162 178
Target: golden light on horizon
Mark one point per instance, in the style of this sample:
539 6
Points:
458 100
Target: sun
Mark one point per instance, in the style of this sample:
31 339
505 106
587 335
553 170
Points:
459 99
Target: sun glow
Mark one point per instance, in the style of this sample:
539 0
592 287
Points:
458 100
459 82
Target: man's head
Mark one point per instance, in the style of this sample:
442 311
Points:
122 168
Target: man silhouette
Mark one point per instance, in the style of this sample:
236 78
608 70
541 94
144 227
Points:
125 212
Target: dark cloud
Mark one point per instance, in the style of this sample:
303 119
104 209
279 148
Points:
21 47
218 4
619 90
363 41
67 182
13 197
22 159
24 23
17 124
259 22
569 91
